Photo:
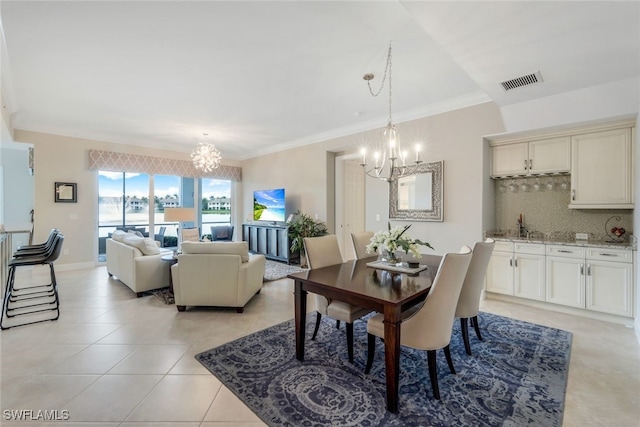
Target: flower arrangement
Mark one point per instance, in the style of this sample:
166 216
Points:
395 239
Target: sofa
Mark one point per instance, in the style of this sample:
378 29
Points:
137 262
217 274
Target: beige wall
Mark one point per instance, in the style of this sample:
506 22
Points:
306 174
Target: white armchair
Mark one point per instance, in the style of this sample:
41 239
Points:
217 275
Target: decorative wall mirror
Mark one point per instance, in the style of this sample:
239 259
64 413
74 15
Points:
418 197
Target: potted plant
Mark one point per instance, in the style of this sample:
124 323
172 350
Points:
301 226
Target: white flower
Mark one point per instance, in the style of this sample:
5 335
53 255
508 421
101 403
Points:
394 239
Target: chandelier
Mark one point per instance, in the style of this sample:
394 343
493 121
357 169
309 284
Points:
390 162
205 156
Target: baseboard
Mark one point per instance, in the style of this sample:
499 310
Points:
621 320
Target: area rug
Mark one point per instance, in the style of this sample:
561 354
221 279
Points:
277 270
517 376
165 295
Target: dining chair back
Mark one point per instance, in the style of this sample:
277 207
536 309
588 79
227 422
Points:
360 242
321 252
469 302
428 327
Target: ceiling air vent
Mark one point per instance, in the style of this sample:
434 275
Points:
521 81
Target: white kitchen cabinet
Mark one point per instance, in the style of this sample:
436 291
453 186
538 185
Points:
565 281
601 170
609 281
552 155
529 276
517 270
499 276
510 160
598 279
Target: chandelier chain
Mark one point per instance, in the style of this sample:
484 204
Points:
387 69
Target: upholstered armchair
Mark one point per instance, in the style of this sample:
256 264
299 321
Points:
217 274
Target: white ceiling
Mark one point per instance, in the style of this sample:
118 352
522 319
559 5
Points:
267 75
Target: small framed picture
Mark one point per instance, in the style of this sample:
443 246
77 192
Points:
66 192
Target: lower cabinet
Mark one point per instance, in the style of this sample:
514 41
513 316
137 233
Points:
270 240
592 278
517 269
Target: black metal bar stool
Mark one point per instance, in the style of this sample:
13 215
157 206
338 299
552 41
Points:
35 299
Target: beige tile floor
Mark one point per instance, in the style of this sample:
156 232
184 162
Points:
116 360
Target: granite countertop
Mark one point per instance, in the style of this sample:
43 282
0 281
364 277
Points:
563 239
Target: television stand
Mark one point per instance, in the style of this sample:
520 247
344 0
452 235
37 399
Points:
269 239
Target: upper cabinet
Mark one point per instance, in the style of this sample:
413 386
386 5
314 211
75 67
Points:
601 170
543 156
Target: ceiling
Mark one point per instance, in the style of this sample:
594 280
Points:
263 76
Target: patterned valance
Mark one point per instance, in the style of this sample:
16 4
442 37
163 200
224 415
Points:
123 162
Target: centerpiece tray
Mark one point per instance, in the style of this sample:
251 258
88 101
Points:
398 268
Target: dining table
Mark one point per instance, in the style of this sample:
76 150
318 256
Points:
379 289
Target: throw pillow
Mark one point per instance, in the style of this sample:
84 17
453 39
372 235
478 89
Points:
118 235
146 245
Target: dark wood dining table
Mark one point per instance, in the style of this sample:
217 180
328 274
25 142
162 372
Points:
379 290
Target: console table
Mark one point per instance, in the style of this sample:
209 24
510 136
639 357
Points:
271 240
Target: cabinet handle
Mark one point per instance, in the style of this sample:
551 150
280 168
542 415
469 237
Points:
565 251
510 262
530 164
525 164
588 269
582 269
606 254
573 195
516 261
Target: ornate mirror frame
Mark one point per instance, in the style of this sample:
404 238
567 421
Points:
434 213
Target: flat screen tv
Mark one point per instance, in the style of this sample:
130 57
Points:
268 205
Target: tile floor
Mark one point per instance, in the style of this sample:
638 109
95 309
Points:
116 360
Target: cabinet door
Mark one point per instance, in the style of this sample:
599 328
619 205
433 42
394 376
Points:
565 281
601 170
500 273
511 159
529 276
609 287
550 155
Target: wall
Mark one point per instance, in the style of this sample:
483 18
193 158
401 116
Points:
455 137
65 159
306 174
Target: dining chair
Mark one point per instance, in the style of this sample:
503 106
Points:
428 326
360 242
469 301
321 252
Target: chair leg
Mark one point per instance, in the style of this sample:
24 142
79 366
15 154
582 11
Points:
447 353
315 330
371 349
349 327
474 321
464 327
337 324
433 373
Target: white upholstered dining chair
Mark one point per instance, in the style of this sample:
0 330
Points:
360 242
428 327
469 301
321 252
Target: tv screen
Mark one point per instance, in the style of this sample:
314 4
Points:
268 205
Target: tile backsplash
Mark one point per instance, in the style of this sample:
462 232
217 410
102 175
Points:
547 211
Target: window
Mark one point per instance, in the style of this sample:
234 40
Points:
216 203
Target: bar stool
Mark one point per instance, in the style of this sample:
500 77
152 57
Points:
38 249
35 299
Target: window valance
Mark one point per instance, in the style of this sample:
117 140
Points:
124 162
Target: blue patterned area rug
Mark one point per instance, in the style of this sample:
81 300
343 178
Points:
517 376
